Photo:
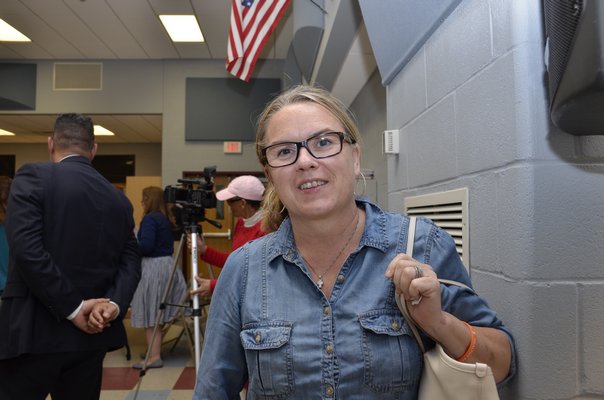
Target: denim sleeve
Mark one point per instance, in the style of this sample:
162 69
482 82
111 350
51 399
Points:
440 253
222 370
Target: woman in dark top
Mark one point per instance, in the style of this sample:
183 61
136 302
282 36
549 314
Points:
156 246
5 182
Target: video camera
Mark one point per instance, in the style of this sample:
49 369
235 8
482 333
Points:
192 197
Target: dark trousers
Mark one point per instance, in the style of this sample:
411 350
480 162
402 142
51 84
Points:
65 376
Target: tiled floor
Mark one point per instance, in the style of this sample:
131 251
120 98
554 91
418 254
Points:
175 381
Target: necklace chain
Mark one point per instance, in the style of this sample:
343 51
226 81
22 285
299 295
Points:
319 282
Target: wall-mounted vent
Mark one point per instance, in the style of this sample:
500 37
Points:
448 210
78 76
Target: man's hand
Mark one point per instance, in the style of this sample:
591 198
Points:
81 320
101 316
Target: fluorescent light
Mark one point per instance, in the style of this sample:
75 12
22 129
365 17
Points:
182 28
6 133
10 34
101 131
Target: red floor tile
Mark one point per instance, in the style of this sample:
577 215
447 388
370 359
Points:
120 378
186 381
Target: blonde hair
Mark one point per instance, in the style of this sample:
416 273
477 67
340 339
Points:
274 210
153 198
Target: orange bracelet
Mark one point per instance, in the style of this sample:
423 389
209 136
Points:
471 346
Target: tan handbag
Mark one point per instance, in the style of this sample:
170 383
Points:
444 378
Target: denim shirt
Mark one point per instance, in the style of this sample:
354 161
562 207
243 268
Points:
271 326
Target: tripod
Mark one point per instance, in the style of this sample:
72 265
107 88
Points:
196 310
193 229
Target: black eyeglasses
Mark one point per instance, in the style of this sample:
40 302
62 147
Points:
320 145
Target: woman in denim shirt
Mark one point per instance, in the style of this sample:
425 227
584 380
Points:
309 311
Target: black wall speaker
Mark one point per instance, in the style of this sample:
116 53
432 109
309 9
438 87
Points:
575 64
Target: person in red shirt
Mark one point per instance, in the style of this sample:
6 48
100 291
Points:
243 195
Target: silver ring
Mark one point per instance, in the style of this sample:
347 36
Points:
419 272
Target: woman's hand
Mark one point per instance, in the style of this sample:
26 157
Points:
419 286
203 288
201 244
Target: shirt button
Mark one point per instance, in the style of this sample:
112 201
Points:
340 278
329 390
395 325
258 338
329 348
326 310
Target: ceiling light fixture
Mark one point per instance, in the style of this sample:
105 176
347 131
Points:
182 28
6 133
102 131
10 34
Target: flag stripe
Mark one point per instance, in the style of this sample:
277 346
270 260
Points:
258 35
259 27
235 46
250 29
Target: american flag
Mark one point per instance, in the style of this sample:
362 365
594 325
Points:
252 22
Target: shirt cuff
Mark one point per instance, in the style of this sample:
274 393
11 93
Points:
77 310
118 308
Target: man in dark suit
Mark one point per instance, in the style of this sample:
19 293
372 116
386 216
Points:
74 266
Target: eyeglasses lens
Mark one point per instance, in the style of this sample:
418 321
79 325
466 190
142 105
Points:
322 145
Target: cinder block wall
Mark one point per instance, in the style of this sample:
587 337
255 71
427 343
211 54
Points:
472 109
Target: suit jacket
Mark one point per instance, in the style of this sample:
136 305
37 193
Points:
71 238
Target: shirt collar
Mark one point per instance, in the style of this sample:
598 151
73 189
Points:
253 220
374 235
68 156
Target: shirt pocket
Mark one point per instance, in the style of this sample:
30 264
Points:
392 359
269 358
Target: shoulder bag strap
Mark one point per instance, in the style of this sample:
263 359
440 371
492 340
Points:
400 299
